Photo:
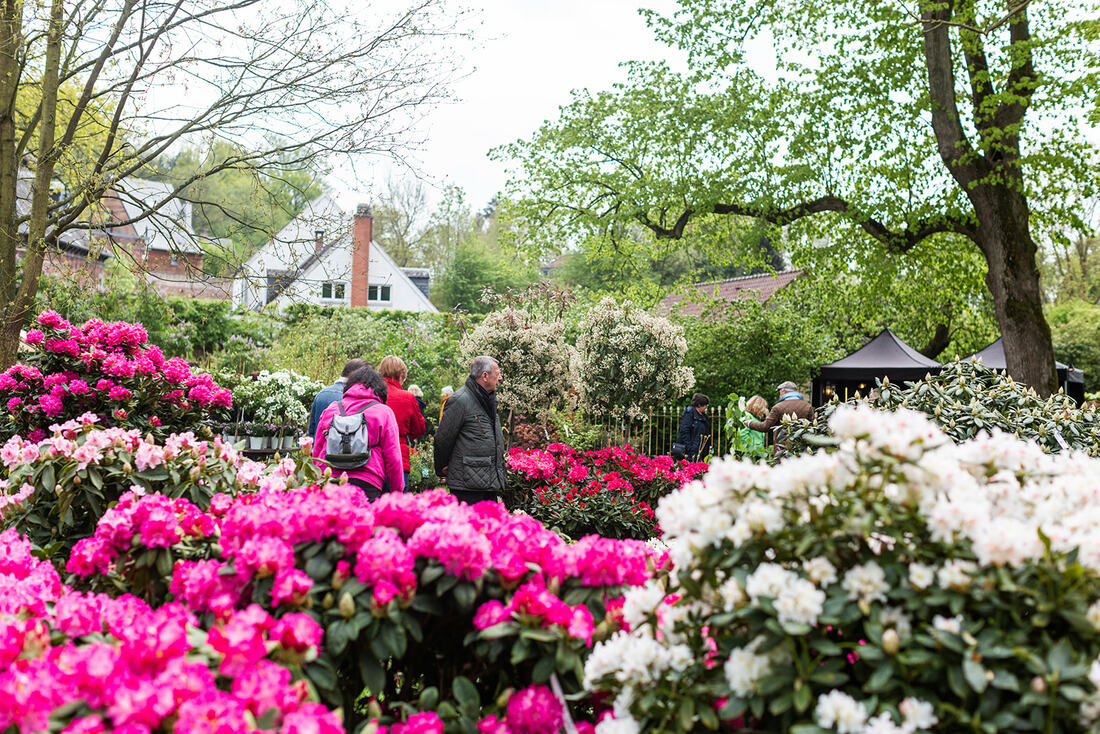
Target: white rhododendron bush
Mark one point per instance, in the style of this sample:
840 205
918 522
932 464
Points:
900 583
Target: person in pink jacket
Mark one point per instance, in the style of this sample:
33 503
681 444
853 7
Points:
363 387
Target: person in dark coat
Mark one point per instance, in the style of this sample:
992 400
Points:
332 393
469 445
694 434
410 421
792 403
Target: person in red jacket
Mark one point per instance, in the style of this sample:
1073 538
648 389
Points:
410 421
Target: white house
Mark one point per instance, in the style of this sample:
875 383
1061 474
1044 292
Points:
327 258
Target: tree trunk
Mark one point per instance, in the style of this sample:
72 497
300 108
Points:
1004 236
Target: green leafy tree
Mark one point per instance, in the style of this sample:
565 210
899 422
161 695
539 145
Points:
937 121
94 93
748 348
243 202
474 269
1075 326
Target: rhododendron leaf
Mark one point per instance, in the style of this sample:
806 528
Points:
465 594
336 637
427 603
538 635
49 477
975 675
521 650
319 568
429 697
430 573
153 475
322 676
1072 693
465 693
826 647
708 717
803 697
394 637
778 705
796 629
164 562
543 668
807 729
573 597
501 629
370 670
734 707
412 624
687 713
956 681
270 720
1060 656
445 584
829 678
881 679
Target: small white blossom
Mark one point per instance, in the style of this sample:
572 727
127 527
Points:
617 725
800 602
732 594
866 583
921 576
883 724
744 668
948 624
839 710
1093 615
918 715
956 575
820 571
768 580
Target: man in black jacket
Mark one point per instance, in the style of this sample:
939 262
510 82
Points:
469 445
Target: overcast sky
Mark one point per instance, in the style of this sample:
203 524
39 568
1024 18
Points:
529 55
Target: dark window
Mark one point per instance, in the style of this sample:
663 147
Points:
372 293
385 293
326 290
339 290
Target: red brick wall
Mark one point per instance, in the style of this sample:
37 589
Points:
361 234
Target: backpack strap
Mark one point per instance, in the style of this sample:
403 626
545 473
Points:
340 407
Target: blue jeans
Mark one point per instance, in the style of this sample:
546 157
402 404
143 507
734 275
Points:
406 479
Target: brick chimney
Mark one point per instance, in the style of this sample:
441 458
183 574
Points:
361 232
319 240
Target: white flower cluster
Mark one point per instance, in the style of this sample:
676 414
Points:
631 360
992 495
280 397
539 366
838 710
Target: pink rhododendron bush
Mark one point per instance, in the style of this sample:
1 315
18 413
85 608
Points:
88 663
900 583
431 605
56 489
108 369
609 492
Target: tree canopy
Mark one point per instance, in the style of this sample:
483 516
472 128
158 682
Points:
949 123
94 92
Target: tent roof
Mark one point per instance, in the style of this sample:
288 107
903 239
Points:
993 357
885 351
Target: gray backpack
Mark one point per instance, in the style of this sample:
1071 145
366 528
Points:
347 444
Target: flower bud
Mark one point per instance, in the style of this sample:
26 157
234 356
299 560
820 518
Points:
126 467
864 606
891 642
1038 685
76 480
373 709
195 474
327 601
347 606
502 699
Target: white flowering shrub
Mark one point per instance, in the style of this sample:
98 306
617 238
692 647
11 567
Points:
630 361
539 366
280 397
901 583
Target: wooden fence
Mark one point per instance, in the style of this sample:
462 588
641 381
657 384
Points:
655 434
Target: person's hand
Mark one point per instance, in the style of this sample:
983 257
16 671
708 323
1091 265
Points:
444 472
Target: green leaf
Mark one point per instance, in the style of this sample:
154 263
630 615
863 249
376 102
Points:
465 593
465 693
687 713
975 675
1060 655
734 707
429 697
881 679
803 697
370 670
543 668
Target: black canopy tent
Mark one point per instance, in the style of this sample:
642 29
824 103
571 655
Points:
884 356
1069 379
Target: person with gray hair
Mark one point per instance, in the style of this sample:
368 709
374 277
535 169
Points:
791 403
469 444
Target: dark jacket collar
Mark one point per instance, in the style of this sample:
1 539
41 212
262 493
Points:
487 399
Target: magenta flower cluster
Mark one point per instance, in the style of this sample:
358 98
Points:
136 669
531 710
108 369
79 444
257 533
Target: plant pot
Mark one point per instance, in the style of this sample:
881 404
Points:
290 441
257 442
